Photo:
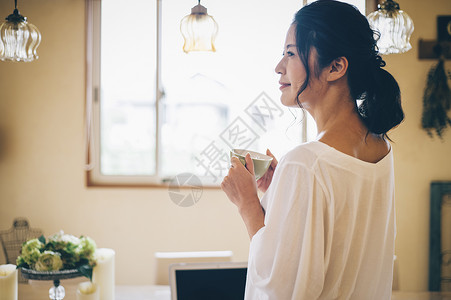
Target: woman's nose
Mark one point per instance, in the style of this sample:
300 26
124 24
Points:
280 67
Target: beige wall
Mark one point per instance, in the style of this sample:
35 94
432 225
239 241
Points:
418 158
42 156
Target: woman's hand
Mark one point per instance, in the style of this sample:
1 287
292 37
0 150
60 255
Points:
264 182
239 184
241 188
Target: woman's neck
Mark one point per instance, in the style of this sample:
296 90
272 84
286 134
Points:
340 126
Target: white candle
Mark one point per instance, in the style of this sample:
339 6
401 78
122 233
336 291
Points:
87 291
8 282
103 273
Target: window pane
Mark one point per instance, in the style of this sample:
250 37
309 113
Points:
206 92
128 68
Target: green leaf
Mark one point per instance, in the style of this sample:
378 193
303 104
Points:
42 239
86 270
22 265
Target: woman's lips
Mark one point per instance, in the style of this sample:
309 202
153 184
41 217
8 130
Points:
283 85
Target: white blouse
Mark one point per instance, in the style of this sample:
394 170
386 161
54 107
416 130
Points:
329 229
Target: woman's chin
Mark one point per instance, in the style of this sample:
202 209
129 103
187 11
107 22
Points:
288 101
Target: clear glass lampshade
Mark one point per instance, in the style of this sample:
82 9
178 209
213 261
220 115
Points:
394 26
199 30
19 39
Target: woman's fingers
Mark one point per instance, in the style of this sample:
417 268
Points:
239 184
224 182
260 182
236 164
249 164
274 160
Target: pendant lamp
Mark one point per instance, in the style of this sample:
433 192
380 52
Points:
199 30
395 28
18 38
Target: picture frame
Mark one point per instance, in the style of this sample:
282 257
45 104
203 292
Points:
438 190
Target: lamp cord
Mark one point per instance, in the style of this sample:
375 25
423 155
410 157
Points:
15 4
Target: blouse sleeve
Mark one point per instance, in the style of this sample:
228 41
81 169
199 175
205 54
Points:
288 256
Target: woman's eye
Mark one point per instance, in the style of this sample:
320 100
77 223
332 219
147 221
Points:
288 53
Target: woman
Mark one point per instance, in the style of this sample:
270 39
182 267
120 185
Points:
325 227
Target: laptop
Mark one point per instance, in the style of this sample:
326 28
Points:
208 281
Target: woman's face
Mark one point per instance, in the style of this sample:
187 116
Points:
292 71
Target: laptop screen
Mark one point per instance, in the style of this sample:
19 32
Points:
211 283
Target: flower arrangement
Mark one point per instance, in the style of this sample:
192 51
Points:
61 252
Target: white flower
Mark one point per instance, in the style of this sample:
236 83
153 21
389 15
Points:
61 237
49 261
31 250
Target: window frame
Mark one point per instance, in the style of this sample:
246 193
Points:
94 176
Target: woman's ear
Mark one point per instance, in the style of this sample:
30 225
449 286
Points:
337 68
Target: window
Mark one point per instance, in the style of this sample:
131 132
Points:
158 112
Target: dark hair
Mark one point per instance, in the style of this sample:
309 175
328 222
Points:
336 29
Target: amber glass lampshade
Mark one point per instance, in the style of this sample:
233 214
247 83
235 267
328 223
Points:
395 28
18 38
199 30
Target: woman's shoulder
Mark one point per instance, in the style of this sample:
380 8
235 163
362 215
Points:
306 154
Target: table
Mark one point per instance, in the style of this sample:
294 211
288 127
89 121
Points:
39 290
